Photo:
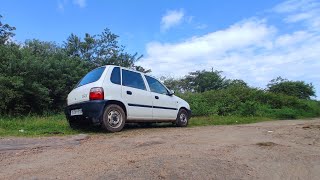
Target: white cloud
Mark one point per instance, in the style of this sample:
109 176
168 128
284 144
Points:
171 19
201 26
80 3
292 6
209 47
252 50
63 3
304 11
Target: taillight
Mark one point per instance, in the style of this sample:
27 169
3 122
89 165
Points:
96 93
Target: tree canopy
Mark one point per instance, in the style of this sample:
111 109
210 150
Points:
299 89
36 76
201 81
6 32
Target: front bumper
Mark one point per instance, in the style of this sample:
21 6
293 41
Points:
92 111
189 112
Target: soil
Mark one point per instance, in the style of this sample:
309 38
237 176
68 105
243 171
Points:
288 149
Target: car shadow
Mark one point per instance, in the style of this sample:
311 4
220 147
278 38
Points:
127 127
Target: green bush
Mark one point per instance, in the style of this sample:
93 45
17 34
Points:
199 104
36 78
248 108
286 113
245 101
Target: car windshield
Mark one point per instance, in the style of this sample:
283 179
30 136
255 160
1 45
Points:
92 76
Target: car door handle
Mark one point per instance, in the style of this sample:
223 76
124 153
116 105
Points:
157 97
129 92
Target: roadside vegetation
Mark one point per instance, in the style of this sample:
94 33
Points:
57 125
36 76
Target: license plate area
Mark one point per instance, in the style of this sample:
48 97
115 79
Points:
76 112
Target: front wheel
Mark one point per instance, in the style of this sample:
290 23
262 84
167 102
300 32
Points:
114 118
182 118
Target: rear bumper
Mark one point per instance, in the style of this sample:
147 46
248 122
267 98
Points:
92 111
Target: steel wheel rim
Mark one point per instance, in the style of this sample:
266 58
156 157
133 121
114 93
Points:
114 118
183 118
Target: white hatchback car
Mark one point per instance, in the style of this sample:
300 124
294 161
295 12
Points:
111 95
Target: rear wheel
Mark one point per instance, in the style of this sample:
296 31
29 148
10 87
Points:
114 118
182 118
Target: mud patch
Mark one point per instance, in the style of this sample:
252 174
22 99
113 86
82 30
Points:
266 144
40 143
316 126
148 143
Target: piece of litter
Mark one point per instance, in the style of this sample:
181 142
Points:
21 130
270 131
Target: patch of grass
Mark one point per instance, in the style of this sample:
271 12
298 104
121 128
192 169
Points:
224 120
57 125
35 126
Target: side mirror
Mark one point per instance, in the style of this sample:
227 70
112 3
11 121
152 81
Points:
171 92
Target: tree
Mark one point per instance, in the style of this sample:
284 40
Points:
198 81
236 83
141 69
178 85
6 32
203 80
101 49
37 76
299 89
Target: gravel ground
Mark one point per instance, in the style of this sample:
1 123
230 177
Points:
268 150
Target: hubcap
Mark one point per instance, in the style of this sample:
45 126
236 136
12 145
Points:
183 118
114 118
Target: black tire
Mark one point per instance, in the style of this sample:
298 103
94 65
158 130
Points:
114 118
182 118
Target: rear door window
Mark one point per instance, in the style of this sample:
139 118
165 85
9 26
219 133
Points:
91 77
115 76
132 79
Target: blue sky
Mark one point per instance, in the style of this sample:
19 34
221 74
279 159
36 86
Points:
254 41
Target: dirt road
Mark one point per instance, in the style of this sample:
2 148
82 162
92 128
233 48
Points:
268 150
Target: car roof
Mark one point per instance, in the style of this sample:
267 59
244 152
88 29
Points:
129 70
126 69
134 71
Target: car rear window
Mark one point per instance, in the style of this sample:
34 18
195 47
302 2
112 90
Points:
91 77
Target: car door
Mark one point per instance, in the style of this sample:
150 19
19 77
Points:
164 105
134 92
